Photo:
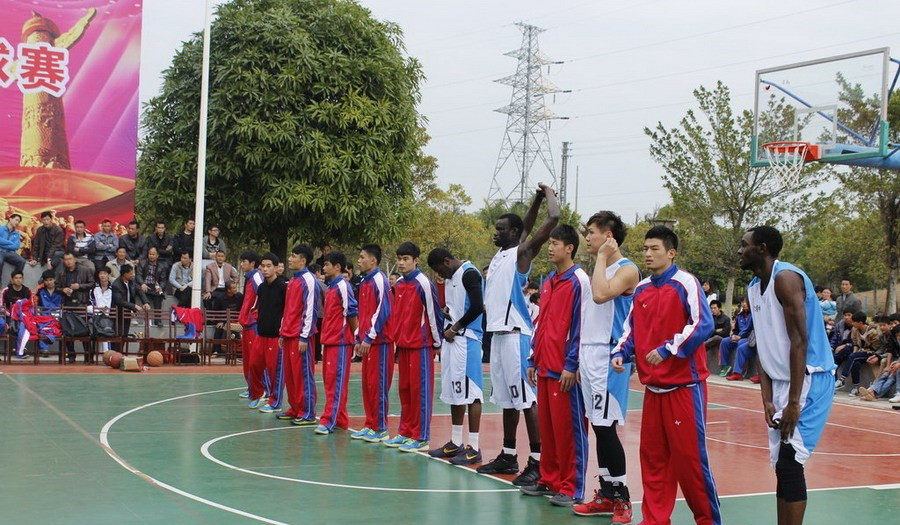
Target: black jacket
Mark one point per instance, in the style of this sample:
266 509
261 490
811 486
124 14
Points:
182 243
135 249
162 246
81 275
125 295
270 306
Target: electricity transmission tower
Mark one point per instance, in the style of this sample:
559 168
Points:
527 136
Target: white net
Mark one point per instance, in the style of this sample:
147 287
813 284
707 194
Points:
786 160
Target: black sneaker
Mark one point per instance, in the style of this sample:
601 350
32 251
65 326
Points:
537 490
449 450
530 475
467 456
563 500
502 464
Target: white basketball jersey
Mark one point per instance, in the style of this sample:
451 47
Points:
602 323
504 298
458 301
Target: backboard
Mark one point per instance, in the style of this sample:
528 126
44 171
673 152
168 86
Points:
837 104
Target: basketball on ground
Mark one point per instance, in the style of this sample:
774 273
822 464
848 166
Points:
154 358
115 359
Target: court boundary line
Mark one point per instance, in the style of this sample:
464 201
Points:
817 453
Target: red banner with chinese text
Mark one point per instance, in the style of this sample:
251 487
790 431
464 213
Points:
69 81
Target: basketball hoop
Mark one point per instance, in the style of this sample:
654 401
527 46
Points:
787 159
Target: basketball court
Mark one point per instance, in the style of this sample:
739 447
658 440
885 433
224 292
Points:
160 447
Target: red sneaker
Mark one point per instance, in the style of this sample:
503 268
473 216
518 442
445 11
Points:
755 379
598 506
735 377
621 511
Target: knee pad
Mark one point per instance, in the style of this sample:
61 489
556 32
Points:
791 479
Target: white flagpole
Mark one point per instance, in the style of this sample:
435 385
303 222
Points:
201 167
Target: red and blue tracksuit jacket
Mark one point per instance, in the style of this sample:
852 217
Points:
557 338
247 316
375 306
340 305
670 314
300 307
418 319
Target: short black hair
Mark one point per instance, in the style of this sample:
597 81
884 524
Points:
770 236
608 220
894 317
152 248
374 250
15 273
396 274
79 221
882 319
160 222
716 302
126 268
269 256
121 248
251 256
305 250
408 248
314 268
136 223
13 216
514 221
859 317
189 254
48 274
220 250
567 235
46 214
436 256
847 278
664 234
535 297
336 259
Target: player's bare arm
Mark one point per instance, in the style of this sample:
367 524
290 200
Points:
529 247
791 294
765 387
531 215
624 281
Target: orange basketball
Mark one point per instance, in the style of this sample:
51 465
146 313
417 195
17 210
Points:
106 356
115 359
154 358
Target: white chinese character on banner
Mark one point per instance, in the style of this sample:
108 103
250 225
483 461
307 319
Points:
43 68
6 61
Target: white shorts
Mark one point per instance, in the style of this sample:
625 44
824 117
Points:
461 377
509 359
815 404
605 391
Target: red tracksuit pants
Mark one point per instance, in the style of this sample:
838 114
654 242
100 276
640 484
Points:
300 378
248 336
564 438
336 374
267 364
673 453
377 375
416 370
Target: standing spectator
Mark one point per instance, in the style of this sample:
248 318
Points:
847 302
10 242
740 341
106 243
217 276
75 281
865 341
184 241
164 245
47 243
212 244
115 265
181 280
721 331
82 245
326 249
135 244
829 307
126 295
152 275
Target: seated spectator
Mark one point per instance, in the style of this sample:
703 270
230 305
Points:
82 245
721 331
126 295
13 292
114 266
135 244
847 302
230 300
888 382
184 240
102 300
883 354
829 307
840 335
864 342
47 243
74 281
181 279
152 277
106 242
49 298
740 341
10 242
164 245
212 244
216 277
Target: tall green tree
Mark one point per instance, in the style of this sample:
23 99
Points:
313 129
715 192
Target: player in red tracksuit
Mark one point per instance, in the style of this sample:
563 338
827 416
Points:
298 334
418 322
338 325
247 320
375 344
668 322
267 355
551 368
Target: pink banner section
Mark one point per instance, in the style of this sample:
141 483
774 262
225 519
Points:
69 81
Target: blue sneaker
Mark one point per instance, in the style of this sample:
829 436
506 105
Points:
256 403
413 445
322 430
244 395
360 434
395 442
268 409
376 436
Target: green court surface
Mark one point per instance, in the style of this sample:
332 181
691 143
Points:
183 449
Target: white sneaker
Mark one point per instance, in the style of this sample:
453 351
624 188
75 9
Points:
895 399
854 392
838 384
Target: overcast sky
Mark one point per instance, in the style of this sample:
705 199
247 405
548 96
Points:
628 64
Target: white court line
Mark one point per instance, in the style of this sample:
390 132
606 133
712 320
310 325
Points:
204 449
817 453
